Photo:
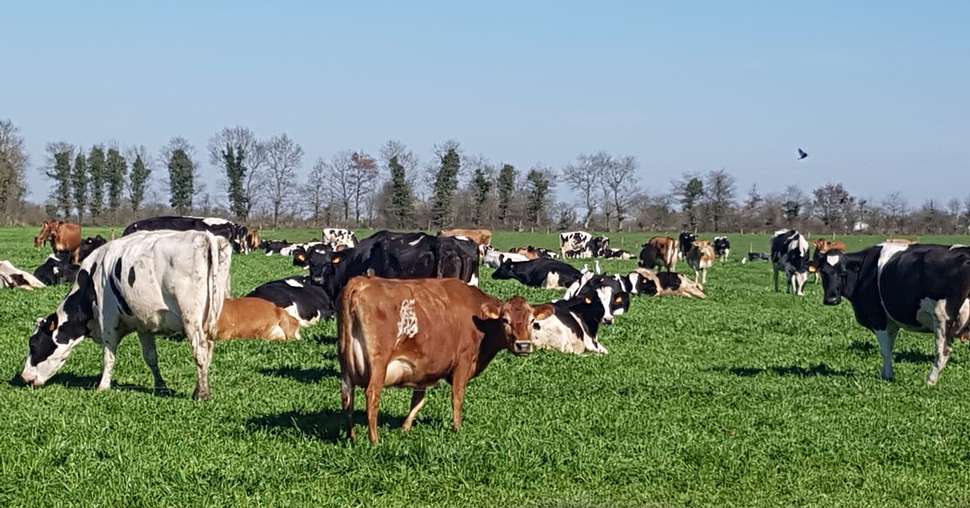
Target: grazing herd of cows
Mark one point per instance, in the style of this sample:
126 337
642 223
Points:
408 309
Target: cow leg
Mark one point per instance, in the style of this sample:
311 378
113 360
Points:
109 344
374 387
775 273
943 343
150 355
347 403
458 384
418 398
202 348
887 340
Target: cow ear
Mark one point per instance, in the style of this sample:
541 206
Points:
588 300
491 310
543 311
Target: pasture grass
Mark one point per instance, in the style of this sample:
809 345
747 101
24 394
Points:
747 398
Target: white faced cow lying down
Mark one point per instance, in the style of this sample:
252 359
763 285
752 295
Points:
414 333
300 298
650 283
495 258
539 273
921 288
12 277
573 327
789 254
149 282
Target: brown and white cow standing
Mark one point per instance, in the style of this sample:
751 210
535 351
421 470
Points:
63 237
660 251
414 333
701 257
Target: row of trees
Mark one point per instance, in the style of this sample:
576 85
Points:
261 183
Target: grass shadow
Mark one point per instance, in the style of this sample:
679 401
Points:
862 347
327 425
819 369
915 357
321 338
311 375
73 381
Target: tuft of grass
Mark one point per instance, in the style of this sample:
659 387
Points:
747 398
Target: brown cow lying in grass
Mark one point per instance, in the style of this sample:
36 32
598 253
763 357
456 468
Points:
255 318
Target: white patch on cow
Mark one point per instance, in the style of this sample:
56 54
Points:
214 221
473 281
276 333
416 241
462 237
407 322
293 283
887 251
832 259
957 246
552 280
605 295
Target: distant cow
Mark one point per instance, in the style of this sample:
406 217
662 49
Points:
88 245
150 282
300 298
495 258
57 269
255 318
539 273
271 247
659 252
893 286
700 257
531 252
231 231
722 247
397 255
252 240
575 244
650 283
789 254
616 253
339 239
62 236
414 333
12 277
481 237
685 241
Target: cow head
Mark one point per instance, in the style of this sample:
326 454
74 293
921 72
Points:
329 270
504 271
46 230
834 274
300 256
516 317
58 333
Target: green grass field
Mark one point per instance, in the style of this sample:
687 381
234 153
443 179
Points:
747 398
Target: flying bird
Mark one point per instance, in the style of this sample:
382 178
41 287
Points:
801 154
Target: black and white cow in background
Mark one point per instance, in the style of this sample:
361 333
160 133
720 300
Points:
13 277
57 269
895 286
539 273
722 247
149 282
686 242
495 258
339 239
615 301
305 301
235 233
789 254
271 247
574 244
650 283
301 253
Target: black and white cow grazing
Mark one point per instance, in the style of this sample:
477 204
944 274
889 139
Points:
722 247
575 244
789 254
686 242
306 302
339 239
895 286
150 282
271 247
57 269
539 273
397 255
235 233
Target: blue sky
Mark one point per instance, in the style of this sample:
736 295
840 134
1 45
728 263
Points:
877 93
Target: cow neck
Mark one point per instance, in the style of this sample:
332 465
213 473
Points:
493 340
854 265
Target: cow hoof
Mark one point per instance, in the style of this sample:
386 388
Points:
200 395
104 388
164 391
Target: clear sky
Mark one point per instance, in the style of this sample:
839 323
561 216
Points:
878 93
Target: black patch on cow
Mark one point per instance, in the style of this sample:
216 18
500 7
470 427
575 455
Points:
41 344
117 270
122 304
669 280
131 276
78 309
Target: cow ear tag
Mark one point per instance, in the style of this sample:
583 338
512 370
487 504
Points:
588 300
336 260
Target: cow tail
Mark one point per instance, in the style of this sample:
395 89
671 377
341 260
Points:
218 260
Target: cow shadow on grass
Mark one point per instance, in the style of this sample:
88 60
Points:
322 338
73 381
817 370
863 348
327 425
311 375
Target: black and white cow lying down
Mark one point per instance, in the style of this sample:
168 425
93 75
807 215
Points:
539 273
57 269
574 325
895 286
789 254
13 277
149 282
305 301
650 283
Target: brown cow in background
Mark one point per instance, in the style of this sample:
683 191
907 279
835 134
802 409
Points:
481 237
63 237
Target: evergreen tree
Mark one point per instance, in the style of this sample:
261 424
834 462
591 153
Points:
538 189
233 161
481 187
506 190
116 168
181 176
138 182
60 172
689 192
96 172
79 184
402 197
445 185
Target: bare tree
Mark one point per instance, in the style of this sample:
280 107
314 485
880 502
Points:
13 169
340 181
283 158
894 206
364 175
241 140
316 193
583 176
719 196
619 180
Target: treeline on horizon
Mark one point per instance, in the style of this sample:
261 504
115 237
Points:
261 185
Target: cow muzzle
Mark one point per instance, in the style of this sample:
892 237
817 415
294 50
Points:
522 347
835 300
